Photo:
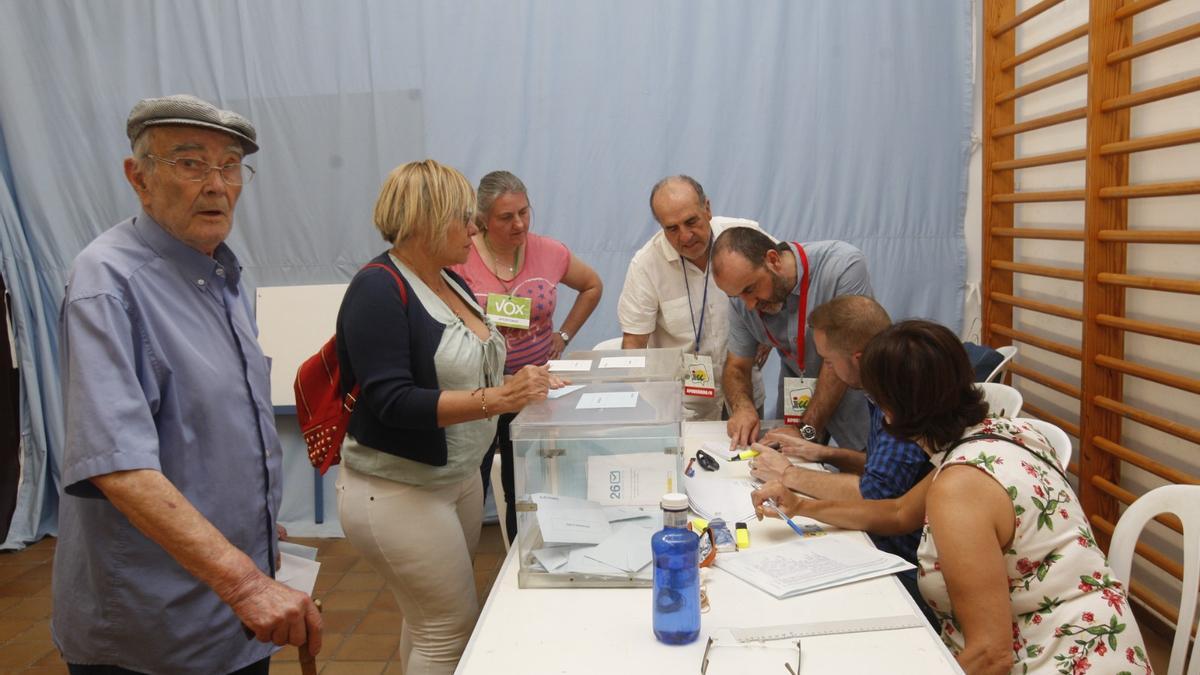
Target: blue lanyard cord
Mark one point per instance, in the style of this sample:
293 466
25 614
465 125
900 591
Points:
704 300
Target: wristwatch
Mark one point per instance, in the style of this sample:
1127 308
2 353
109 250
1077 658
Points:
807 432
565 336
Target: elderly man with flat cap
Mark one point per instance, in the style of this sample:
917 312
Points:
171 467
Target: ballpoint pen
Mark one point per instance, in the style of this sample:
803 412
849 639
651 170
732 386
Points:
770 503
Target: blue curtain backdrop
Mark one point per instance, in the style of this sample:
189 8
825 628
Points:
846 119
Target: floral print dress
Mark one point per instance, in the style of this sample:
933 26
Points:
1069 614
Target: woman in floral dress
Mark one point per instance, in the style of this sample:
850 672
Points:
1007 560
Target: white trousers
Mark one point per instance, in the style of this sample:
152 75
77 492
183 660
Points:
422 541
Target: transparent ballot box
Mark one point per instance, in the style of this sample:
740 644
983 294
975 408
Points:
624 365
590 469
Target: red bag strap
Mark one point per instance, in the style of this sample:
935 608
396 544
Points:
395 276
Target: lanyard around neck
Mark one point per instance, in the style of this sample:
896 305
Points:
801 314
704 299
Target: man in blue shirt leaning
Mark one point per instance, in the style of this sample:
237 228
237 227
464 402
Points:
890 466
171 467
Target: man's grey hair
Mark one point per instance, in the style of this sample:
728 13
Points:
700 198
141 150
493 186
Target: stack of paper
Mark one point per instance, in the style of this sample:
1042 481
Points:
810 564
712 497
583 537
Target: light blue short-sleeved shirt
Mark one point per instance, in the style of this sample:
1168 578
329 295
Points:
161 370
835 268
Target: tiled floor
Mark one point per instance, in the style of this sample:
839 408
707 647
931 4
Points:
362 622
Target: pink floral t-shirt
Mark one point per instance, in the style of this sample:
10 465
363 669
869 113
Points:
1069 614
544 263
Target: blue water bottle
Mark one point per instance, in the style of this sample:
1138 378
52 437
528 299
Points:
676 575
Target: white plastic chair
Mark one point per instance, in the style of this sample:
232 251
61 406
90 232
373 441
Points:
1008 352
611 343
1002 400
1059 440
1184 502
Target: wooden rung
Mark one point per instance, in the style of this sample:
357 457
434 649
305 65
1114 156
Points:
1023 17
1150 236
1126 497
1044 380
1147 373
1144 550
1037 233
1040 122
1143 462
1154 44
1147 328
1030 410
1130 8
1038 270
1149 283
1142 417
1150 95
1150 599
1186 187
1037 306
1042 83
1041 160
1040 343
1053 43
1151 142
1046 196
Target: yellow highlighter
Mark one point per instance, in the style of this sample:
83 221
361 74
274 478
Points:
743 536
747 454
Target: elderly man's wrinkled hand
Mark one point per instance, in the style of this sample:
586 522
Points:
277 613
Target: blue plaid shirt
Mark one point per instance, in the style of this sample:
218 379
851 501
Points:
893 466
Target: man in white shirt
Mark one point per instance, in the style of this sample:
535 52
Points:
670 298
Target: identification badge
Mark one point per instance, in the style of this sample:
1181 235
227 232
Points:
509 310
797 394
698 377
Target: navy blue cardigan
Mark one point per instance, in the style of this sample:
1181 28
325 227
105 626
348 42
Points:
388 346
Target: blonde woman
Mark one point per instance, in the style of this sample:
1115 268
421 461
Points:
431 370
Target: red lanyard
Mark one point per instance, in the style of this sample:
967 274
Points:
801 315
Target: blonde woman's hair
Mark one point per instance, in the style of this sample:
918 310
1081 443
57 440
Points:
420 199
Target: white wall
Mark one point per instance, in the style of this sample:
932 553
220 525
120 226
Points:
1176 261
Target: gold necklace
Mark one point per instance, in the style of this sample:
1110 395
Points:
512 269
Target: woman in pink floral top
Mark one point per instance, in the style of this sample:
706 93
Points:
1007 560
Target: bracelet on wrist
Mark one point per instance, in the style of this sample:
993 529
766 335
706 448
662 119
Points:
483 401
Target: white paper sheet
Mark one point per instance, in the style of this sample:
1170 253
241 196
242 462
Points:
810 564
628 549
635 479
297 572
552 557
309 552
567 520
567 366
607 399
563 391
712 497
623 362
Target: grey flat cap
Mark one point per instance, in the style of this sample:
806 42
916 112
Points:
188 110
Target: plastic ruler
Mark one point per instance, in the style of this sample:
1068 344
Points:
794 630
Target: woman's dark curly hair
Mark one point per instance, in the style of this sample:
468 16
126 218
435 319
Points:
918 373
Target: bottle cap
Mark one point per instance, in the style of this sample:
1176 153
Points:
674 501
